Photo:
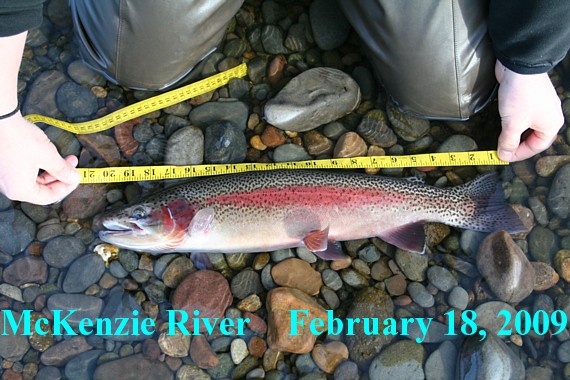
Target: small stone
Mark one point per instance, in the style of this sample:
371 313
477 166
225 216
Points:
206 291
332 279
407 127
19 228
25 271
290 152
41 97
62 250
82 365
401 360
190 372
441 278
75 101
380 270
272 137
245 283
280 302
175 345
458 143
238 350
562 264
329 24
275 69
487 316
458 298
548 165
296 40
250 303
329 355
317 144
256 143
202 354
256 324
420 295
505 268
177 270
313 98
234 112
542 244
224 144
11 291
151 349
185 147
545 277
375 130
413 266
441 363
272 39
83 272
350 145
559 196
85 201
63 351
296 273
256 347
354 278
87 307
83 75
134 367
396 285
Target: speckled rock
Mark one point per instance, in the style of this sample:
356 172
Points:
314 97
245 283
224 143
350 145
329 355
185 147
545 277
401 360
75 100
505 267
296 273
413 266
206 291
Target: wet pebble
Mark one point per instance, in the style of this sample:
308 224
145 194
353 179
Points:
42 94
313 98
396 285
20 229
290 152
332 279
542 244
238 350
353 278
86 201
317 144
489 359
224 143
407 127
75 100
347 370
458 298
296 39
83 272
548 165
350 145
296 273
191 372
62 250
375 130
87 306
12 346
26 270
559 195
234 112
272 137
62 352
329 24
487 316
441 278
139 368
562 264
329 355
457 143
206 291
245 283
175 345
413 266
401 360
185 147
420 295
121 305
441 363
82 365
83 75
545 277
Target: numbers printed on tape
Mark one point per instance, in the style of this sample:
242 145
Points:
151 173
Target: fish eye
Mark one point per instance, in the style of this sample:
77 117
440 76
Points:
139 212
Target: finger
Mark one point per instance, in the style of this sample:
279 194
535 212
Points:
46 178
509 141
535 143
51 193
62 169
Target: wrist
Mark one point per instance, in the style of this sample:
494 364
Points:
9 114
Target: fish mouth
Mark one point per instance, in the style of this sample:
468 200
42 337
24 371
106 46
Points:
118 228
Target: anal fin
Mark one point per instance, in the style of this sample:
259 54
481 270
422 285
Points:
410 237
333 252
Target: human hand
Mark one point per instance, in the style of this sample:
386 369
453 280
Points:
526 102
24 150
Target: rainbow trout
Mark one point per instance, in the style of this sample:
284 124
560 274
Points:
266 211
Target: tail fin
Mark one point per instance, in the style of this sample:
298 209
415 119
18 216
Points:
492 212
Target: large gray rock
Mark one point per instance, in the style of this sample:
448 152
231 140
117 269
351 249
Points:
313 98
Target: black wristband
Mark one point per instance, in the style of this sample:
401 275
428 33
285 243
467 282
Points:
10 113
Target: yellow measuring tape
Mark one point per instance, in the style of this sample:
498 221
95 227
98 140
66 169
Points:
150 173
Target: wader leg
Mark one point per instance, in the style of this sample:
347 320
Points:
149 44
434 57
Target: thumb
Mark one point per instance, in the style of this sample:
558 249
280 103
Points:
61 169
509 141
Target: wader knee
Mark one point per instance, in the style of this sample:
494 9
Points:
433 57
149 44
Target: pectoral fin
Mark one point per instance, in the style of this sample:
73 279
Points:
410 237
318 243
202 221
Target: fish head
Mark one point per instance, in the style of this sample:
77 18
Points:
149 226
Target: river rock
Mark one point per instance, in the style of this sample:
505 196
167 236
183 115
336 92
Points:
542 244
245 283
83 365
548 165
224 143
185 147
20 229
102 146
296 273
488 319
280 302
174 345
206 291
488 359
63 351
86 201
368 302
41 96
559 196
440 365
329 24
26 270
545 277
12 346
350 145
231 111
407 127
457 143
121 305
83 272
63 250
401 360
313 98
202 354
505 267
75 100
413 266
375 130
134 367
329 355
88 307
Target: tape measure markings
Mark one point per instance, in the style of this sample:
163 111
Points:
151 173
145 106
